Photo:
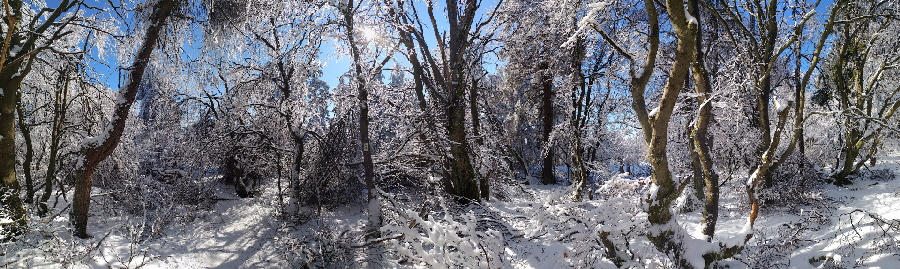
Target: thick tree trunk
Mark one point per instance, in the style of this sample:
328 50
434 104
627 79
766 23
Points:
10 82
462 175
96 149
9 184
547 176
81 203
849 153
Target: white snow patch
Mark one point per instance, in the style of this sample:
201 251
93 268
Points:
779 105
690 19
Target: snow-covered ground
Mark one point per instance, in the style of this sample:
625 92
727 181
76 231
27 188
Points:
865 226
538 228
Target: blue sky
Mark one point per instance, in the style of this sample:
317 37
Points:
335 63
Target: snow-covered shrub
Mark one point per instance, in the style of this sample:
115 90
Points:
319 246
771 245
447 239
606 232
797 184
874 175
333 179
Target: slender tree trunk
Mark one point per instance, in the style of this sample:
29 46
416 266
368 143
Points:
473 113
577 121
697 182
29 152
700 135
801 144
363 99
483 184
660 214
297 164
59 119
764 87
96 150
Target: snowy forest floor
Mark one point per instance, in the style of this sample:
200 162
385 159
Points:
860 227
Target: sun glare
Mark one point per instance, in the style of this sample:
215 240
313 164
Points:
369 33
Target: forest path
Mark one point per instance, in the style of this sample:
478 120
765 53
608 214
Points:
236 233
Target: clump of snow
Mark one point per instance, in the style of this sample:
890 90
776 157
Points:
779 105
14 50
690 19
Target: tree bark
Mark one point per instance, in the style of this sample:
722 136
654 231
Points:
546 78
659 210
363 98
29 151
9 184
577 120
94 151
483 184
462 175
10 82
700 134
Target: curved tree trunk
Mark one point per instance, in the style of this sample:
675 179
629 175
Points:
94 150
700 134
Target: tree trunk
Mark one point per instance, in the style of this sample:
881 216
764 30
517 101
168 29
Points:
96 149
483 184
81 203
697 182
29 151
462 175
659 210
700 134
297 164
10 82
9 184
359 78
577 121
547 176
59 119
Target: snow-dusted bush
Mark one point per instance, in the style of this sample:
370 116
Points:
448 239
320 245
606 232
772 245
875 175
797 183
866 237
331 181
